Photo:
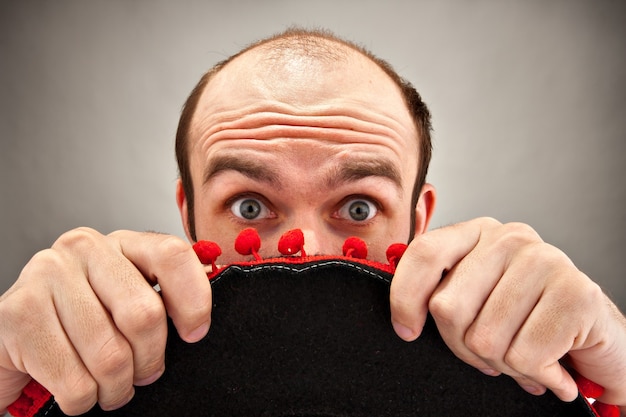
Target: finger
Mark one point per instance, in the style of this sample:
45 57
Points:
420 270
539 372
121 330
85 321
549 333
172 263
485 299
57 366
479 318
459 299
35 343
102 347
598 357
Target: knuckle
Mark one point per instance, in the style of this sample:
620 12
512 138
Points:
535 256
488 222
117 234
174 248
587 292
22 312
518 235
79 395
144 316
46 263
150 366
592 296
444 311
522 363
81 239
482 342
424 249
522 230
114 358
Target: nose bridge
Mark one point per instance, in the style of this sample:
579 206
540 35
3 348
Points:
318 239
314 242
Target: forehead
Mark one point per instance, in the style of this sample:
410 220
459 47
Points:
304 77
298 87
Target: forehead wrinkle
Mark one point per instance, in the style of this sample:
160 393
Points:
268 121
247 166
328 115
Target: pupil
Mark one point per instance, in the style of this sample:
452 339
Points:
250 209
359 210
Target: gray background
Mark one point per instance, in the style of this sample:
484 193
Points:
528 98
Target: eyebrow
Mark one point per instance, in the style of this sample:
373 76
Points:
350 170
356 169
249 167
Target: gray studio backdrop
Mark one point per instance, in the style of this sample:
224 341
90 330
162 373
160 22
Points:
528 97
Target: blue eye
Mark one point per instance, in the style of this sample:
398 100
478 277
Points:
249 209
358 210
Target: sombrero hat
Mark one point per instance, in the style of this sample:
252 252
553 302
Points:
311 336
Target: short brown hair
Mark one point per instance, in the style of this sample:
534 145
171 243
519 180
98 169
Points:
309 39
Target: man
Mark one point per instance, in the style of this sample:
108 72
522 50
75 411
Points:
304 131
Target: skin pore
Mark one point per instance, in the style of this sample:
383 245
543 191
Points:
283 139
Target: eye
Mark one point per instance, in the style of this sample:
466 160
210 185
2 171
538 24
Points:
249 209
358 210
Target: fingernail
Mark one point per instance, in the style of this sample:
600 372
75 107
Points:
197 334
534 390
489 371
152 378
404 332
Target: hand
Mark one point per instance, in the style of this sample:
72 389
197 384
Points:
84 320
506 302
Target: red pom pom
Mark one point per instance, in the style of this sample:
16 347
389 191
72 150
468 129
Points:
606 410
207 251
292 242
355 248
395 252
588 388
248 243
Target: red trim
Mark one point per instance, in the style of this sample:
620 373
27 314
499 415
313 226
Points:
605 410
33 398
298 260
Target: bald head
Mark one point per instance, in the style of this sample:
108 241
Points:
293 68
302 69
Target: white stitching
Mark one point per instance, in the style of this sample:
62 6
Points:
300 268
50 408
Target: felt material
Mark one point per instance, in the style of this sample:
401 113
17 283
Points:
315 339
292 242
355 248
248 243
207 252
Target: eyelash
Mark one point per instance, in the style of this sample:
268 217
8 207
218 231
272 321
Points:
229 203
359 197
335 216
